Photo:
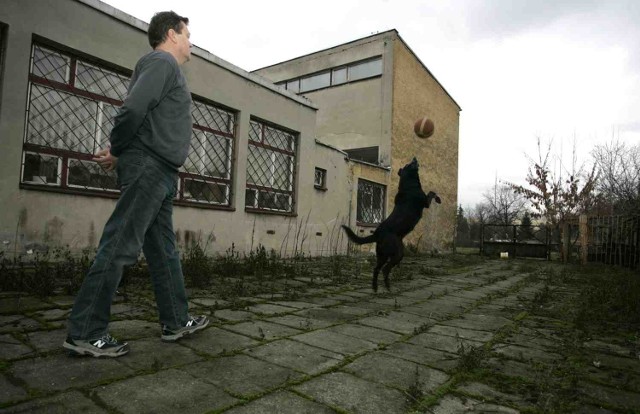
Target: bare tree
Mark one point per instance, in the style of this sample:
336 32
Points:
619 181
552 196
504 204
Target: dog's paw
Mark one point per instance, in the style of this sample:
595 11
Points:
438 200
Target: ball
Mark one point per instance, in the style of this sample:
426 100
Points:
423 127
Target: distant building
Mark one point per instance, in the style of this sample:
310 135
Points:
267 165
369 93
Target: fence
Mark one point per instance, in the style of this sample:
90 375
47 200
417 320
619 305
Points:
613 240
517 240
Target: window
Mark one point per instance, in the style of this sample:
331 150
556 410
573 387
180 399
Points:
70 113
71 109
294 85
206 174
320 179
318 81
270 168
336 76
365 69
367 154
371 196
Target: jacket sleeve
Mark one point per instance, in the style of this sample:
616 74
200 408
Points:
154 80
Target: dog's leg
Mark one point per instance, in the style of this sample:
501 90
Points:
381 261
430 196
394 260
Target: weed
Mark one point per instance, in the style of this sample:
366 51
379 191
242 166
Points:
415 391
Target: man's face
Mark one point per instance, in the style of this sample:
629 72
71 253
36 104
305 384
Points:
184 45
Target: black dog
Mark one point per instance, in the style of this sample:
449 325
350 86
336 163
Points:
406 213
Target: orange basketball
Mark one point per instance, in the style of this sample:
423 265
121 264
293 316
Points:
423 127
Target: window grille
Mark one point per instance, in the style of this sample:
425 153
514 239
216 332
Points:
371 198
270 168
70 114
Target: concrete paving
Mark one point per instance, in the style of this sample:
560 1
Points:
333 348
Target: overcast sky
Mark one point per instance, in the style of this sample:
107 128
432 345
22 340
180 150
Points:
562 70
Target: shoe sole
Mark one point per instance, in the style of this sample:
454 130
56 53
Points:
78 351
173 338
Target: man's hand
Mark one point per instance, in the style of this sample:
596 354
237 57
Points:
105 159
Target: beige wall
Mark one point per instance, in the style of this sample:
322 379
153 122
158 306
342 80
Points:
54 218
417 94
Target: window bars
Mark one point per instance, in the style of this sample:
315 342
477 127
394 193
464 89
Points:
270 168
371 197
70 113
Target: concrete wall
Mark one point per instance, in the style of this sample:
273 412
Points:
100 31
416 94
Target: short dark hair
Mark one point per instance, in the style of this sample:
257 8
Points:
160 25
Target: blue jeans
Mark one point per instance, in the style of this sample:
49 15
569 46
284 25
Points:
142 219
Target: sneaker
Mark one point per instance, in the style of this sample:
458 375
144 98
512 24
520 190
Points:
107 346
193 325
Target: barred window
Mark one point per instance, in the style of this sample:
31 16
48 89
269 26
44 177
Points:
270 168
206 174
71 109
371 197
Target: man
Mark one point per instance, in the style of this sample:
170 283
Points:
149 142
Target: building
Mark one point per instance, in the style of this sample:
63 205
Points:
369 93
267 164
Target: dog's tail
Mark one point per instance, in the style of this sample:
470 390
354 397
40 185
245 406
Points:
357 239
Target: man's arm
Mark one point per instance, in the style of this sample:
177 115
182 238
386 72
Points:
154 80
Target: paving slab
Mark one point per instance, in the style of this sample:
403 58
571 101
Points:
396 373
295 304
169 391
445 343
242 375
128 329
296 355
215 341
299 322
335 342
610 396
481 336
526 354
282 402
152 354
262 330
210 302
394 321
270 309
422 355
233 315
59 372
11 348
478 321
22 324
452 405
354 395
484 392
367 333
68 402
53 314
22 303
10 392
512 368
47 341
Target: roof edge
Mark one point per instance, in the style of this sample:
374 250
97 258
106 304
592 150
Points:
202 53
